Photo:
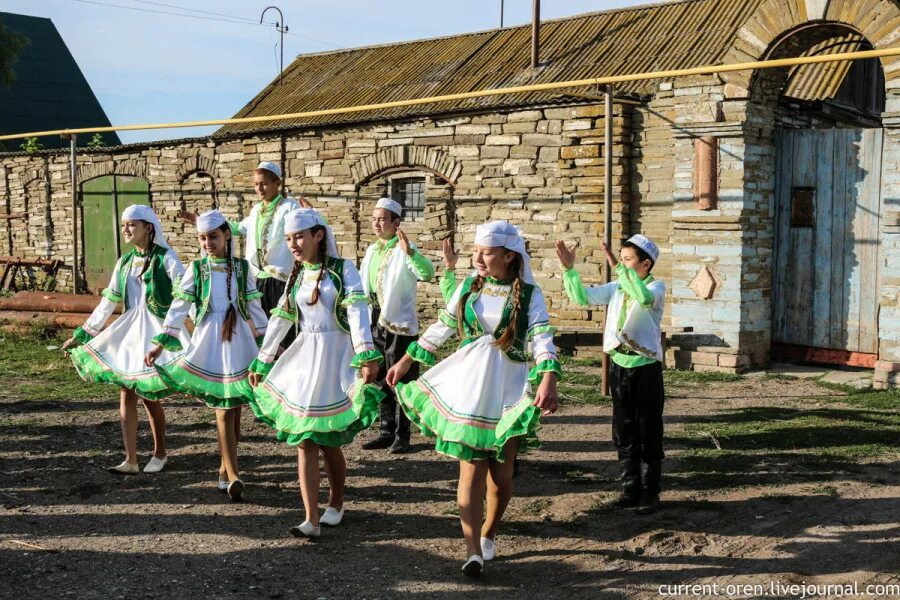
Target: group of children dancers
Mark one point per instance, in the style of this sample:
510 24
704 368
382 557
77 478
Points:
321 350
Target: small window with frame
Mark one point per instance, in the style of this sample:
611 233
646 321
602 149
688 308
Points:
410 193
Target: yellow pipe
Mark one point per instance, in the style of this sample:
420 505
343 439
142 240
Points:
535 87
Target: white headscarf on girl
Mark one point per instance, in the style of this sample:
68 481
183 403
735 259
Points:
301 219
506 235
140 212
210 220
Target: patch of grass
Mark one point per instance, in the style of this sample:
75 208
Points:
865 397
33 372
683 377
537 506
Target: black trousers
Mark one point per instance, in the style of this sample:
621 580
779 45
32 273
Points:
272 291
394 421
637 424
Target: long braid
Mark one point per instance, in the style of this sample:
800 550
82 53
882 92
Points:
150 244
295 271
477 284
509 334
323 255
228 325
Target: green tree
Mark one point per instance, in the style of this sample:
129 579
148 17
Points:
11 45
96 141
31 145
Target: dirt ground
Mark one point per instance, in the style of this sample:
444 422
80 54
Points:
785 505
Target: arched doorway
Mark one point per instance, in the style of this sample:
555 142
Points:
826 205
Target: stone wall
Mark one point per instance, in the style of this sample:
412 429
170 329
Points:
540 168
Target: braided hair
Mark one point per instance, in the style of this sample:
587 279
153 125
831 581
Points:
298 268
323 254
150 242
230 322
508 337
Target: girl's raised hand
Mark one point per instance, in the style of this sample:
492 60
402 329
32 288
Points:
566 254
304 203
369 371
451 254
398 370
547 398
151 357
188 217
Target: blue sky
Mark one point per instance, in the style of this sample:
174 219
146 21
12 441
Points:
152 68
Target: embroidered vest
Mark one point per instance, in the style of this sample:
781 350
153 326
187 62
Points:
334 267
203 283
158 286
472 328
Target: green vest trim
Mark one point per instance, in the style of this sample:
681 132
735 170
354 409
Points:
473 330
334 267
202 284
158 286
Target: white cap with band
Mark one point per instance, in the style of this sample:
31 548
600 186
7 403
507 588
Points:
645 244
391 205
271 167
503 234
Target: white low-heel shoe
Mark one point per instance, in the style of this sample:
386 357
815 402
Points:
488 548
156 464
223 485
305 529
126 468
474 566
331 517
235 490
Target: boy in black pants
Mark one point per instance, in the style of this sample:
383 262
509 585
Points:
632 340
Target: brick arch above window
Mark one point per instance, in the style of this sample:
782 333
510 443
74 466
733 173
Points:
193 164
405 158
134 167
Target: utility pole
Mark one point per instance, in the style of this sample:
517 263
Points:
501 14
281 28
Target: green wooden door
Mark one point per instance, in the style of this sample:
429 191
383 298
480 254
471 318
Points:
104 199
100 231
129 191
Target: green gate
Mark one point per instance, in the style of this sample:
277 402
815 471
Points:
103 200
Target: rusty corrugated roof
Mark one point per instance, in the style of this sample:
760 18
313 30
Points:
674 35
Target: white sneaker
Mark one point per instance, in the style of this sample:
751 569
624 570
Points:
331 517
126 468
223 485
488 549
305 529
474 566
156 464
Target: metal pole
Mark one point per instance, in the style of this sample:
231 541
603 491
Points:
73 177
501 14
282 29
607 202
535 32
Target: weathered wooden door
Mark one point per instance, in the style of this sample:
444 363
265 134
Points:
825 282
103 200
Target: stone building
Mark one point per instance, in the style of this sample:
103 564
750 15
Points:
773 194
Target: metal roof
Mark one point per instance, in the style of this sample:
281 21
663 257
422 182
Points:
684 34
50 92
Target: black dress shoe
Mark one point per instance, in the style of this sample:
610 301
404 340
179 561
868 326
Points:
400 446
379 443
626 500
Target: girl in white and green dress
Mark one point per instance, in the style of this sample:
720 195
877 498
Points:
480 402
143 280
312 395
222 291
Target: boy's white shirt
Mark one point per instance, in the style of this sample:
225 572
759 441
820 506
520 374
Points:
279 260
641 330
397 296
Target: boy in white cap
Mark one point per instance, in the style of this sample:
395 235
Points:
632 340
390 270
270 259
